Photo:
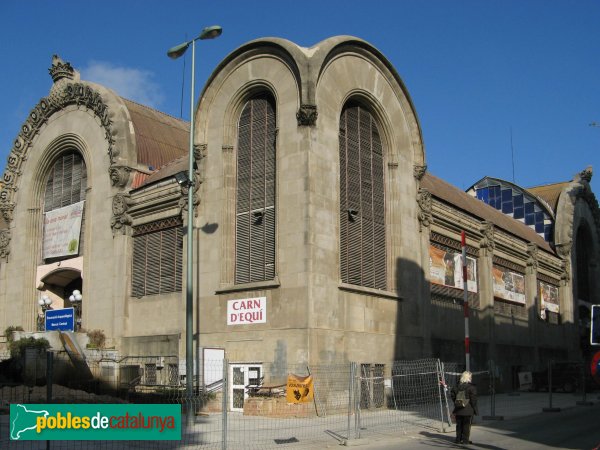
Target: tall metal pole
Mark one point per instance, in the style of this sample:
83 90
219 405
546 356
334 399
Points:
174 53
189 286
463 240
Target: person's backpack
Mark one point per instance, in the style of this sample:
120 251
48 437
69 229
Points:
461 400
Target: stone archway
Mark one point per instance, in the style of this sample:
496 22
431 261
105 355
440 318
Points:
59 284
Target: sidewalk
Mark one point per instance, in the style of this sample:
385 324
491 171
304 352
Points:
529 427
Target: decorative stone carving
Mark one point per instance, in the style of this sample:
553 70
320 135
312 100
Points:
307 115
183 201
487 243
6 208
532 257
4 244
65 91
119 175
564 250
120 220
419 171
585 175
60 69
200 152
424 202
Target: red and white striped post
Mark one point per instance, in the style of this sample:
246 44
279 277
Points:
463 241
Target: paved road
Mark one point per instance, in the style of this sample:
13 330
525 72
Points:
573 428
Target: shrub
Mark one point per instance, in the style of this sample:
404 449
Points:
9 330
17 348
97 338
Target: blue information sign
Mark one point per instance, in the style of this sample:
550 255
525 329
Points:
60 319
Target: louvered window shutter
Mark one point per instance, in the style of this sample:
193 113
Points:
255 192
66 185
362 200
157 258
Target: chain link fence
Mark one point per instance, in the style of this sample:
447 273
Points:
245 405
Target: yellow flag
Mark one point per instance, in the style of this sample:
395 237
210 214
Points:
299 389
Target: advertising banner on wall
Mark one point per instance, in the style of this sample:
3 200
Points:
62 228
445 267
247 311
508 285
549 297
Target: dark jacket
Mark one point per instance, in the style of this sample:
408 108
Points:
471 393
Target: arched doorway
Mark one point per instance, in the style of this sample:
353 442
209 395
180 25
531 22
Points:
60 285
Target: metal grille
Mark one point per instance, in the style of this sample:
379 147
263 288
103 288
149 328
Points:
173 374
255 203
362 200
157 261
150 373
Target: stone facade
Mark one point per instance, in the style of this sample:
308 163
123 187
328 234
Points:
311 316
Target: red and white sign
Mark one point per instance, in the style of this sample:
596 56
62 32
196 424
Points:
247 311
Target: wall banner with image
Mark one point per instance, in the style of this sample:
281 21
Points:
445 268
62 228
549 297
508 285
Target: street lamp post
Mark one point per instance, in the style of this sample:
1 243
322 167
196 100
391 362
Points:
44 303
174 53
75 298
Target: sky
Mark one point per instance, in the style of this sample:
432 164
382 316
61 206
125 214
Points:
505 88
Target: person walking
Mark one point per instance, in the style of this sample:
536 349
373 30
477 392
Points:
464 397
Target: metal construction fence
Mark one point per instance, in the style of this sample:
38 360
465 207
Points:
244 404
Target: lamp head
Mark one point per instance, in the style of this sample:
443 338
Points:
178 50
41 302
182 179
211 32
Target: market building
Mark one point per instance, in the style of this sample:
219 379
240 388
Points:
319 235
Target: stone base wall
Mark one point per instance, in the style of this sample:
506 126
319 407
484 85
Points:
277 407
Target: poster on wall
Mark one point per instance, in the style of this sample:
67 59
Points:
62 228
508 285
445 267
549 297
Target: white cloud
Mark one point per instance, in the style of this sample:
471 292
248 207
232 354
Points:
133 84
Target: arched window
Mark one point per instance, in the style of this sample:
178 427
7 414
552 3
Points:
255 192
362 200
66 186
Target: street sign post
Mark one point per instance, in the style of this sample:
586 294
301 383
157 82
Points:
60 319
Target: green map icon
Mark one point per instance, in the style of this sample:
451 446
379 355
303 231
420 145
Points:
23 419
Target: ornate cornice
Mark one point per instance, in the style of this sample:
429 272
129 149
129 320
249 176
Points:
4 244
424 202
63 93
419 171
121 221
307 115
